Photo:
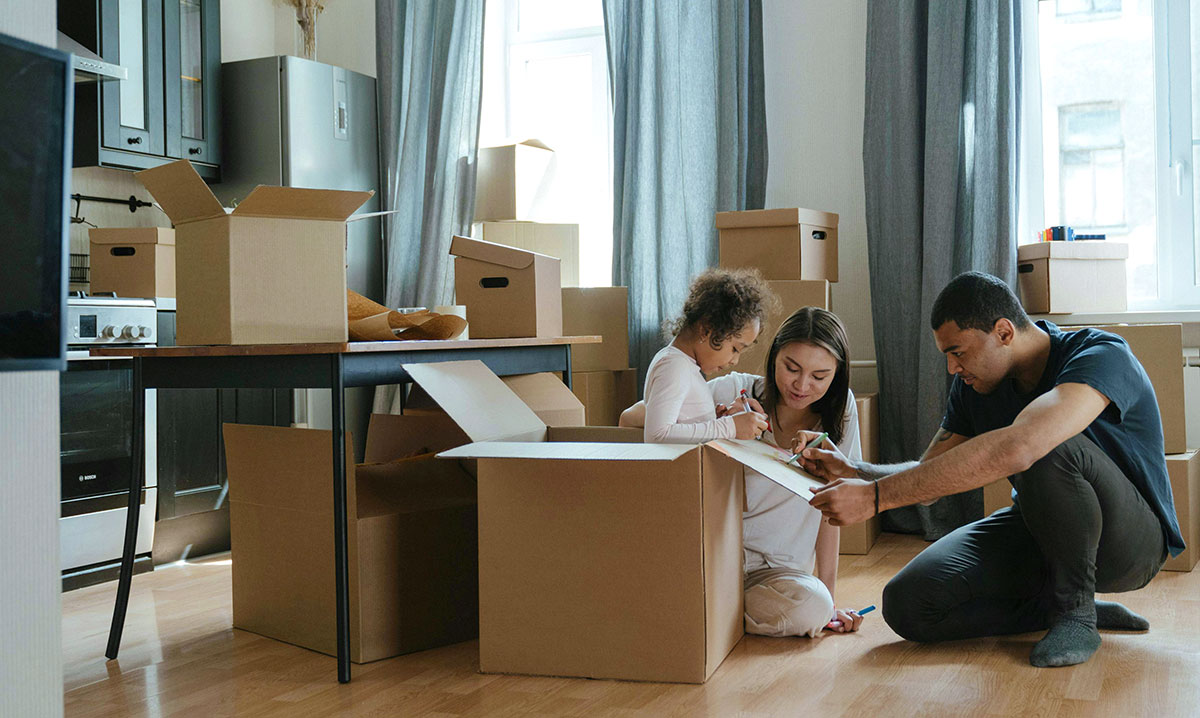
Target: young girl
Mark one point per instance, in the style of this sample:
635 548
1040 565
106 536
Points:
721 317
791 554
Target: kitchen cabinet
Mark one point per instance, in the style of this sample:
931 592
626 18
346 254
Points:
168 108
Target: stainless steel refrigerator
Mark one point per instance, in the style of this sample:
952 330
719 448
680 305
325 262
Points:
293 122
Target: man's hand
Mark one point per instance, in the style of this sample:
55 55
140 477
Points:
845 501
825 463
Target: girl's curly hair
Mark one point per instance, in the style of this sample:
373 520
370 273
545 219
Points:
724 301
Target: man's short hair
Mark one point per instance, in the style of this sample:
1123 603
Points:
975 300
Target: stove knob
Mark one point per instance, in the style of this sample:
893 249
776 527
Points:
143 332
108 332
128 332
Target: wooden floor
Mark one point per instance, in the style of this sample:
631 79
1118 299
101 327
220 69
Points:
181 658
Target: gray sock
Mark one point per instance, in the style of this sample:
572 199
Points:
1114 616
1072 639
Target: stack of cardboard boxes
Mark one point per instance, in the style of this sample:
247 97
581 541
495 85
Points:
512 191
600 373
1159 347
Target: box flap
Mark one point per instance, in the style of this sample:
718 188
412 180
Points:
568 450
493 253
477 400
131 235
530 142
775 218
299 203
181 193
1082 249
391 437
550 399
768 461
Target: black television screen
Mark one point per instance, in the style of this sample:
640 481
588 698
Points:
35 156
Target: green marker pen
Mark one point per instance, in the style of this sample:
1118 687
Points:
811 445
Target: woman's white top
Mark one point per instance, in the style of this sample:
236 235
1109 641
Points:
679 405
779 528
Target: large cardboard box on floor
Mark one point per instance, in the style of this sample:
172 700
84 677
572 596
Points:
793 294
512 181
508 292
412 540
605 394
1184 471
996 496
560 241
859 538
1159 348
780 243
603 311
1065 277
600 559
271 272
133 261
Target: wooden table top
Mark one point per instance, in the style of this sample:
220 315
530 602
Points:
336 347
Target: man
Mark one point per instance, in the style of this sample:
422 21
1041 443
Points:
1071 420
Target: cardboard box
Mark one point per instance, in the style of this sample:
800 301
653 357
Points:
1159 347
996 496
133 261
271 272
793 294
1184 471
549 398
600 560
859 538
513 181
602 311
1065 277
412 542
508 292
780 243
560 241
605 394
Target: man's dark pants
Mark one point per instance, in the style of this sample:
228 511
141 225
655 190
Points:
1078 527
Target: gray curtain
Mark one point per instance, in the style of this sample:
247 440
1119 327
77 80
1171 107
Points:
429 61
689 140
940 163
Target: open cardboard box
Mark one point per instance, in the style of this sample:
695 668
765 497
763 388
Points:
600 559
412 538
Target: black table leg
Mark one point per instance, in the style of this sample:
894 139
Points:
131 517
341 561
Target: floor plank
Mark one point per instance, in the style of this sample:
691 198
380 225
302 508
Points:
180 657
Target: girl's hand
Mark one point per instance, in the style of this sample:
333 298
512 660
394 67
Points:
749 425
844 621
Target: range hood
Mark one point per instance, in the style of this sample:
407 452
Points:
88 65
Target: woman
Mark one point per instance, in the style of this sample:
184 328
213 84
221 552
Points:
791 553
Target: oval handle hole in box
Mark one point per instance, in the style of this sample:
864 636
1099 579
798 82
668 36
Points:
493 282
123 251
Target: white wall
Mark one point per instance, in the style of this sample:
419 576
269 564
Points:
261 28
30 614
814 57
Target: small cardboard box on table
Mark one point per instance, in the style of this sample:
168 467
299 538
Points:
508 292
1065 277
599 560
412 538
273 271
781 243
133 261
859 538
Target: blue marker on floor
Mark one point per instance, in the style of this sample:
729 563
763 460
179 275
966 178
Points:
867 610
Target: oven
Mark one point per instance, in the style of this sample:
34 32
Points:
96 442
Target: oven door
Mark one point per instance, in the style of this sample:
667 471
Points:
96 423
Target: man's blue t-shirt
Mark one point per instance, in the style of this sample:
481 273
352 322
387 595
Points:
1129 429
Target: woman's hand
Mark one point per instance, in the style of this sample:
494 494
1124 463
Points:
826 463
749 425
844 621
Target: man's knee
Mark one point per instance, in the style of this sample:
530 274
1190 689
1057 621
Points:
788 606
906 606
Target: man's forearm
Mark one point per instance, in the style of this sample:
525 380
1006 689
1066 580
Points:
973 464
873 472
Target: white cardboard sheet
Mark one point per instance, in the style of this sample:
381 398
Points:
768 461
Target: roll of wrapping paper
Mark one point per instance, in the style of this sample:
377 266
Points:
371 321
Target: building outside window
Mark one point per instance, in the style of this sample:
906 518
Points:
1091 167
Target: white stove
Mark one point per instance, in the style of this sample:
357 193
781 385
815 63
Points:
110 320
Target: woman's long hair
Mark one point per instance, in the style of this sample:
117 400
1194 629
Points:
816 326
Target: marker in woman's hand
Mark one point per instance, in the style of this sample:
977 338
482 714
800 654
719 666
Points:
811 445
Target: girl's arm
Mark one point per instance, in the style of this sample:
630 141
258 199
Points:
666 390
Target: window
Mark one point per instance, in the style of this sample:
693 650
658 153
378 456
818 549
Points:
545 76
1086 7
1091 167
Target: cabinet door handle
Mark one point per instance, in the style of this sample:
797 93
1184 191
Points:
194 150
134 140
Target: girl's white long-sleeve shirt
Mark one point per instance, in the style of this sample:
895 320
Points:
679 403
